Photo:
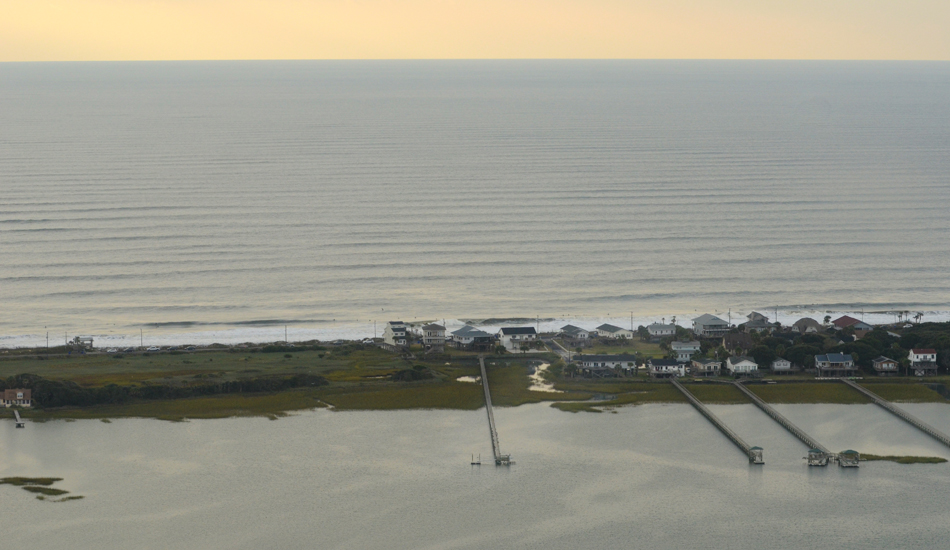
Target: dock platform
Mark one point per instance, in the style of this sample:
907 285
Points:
19 421
755 454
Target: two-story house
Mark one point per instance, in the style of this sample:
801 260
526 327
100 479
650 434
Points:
471 338
16 398
684 351
665 368
709 326
513 337
923 362
396 334
885 366
835 365
740 365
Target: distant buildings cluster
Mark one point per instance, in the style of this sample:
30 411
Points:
685 346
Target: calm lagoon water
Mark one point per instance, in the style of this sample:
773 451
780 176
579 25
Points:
219 201
654 476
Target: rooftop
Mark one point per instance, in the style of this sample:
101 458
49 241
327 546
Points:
518 330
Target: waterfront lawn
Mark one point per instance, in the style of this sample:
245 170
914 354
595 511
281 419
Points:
634 346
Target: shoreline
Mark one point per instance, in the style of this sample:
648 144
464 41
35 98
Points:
358 330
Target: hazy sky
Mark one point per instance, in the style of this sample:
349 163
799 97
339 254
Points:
354 29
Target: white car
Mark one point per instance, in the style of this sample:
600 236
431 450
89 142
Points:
153 348
111 350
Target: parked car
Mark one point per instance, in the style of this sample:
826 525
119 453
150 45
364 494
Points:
153 348
128 350
111 350
190 348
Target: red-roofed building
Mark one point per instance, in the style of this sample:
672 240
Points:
923 361
847 321
16 398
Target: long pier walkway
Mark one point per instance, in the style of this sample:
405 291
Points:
500 459
902 414
754 453
19 422
792 428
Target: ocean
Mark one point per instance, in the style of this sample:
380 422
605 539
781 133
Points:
199 202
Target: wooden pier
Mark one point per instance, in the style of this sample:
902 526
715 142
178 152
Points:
818 454
901 413
500 459
754 453
19 421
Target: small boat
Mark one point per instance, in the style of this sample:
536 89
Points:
477 462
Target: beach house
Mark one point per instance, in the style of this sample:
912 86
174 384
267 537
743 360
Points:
923 362
705 367
433 337
885 366
709 326
665 368
757 323
472 339
780 366
806 325
660 330
740 365
513 337
684 351
571 332
589 364
835 365
611 331
16 398
847 321
396 334
737 341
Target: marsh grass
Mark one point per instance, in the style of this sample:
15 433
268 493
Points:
720 394
906 459
907 393
817 392
48 491
21 481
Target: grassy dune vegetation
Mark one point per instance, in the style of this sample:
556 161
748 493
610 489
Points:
905 392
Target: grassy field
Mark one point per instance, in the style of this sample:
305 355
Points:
725 394
628 346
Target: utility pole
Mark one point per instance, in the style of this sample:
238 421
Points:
141 339
47 342
631 321
285 334
374 329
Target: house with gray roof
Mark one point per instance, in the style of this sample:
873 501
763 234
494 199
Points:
684 351
513 337
658 331
471 338
709 326
612 331
806 325
574 333
835 365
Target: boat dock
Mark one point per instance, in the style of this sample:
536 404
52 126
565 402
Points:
754 453
19 421
500 459
818 455
901 413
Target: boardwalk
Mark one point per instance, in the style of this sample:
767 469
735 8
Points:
19 422
902 414
500 459
754 453
812 444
